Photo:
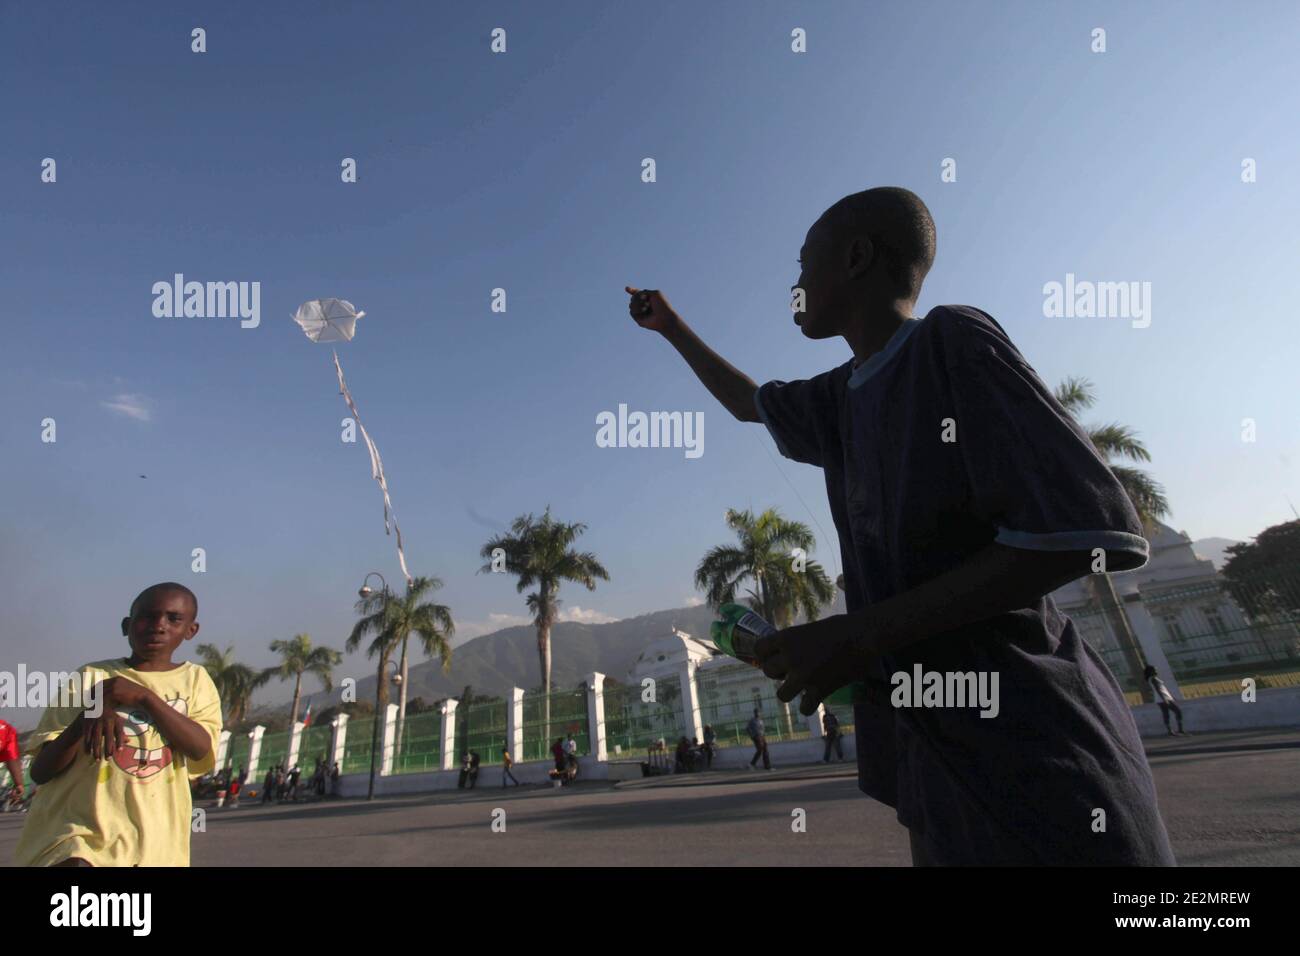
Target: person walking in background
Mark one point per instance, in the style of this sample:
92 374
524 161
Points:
709 738
756 733
268 786
334 779
831 731
506 764
557 751
1164 699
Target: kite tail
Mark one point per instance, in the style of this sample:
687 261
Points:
376 468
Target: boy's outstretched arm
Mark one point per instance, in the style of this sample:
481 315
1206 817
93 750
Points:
730 386
825 655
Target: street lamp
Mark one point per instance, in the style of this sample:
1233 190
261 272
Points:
365 592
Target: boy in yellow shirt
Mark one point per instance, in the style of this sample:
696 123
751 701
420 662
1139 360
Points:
115 788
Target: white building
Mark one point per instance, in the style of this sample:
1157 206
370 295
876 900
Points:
728 691
1201 628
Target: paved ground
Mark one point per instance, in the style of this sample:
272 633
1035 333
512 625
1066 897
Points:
1226 798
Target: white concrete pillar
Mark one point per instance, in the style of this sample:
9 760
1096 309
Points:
295 744
338 739
1148 635
690 704
515 723
223 748
596 714
389 738
254 750
449 734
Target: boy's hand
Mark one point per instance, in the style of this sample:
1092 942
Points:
121 692
651 310
104 734
816 659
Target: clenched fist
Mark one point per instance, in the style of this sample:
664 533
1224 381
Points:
651 310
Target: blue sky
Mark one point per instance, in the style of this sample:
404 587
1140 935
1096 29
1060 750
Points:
522 171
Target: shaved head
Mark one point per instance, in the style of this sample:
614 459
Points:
898 224
164 587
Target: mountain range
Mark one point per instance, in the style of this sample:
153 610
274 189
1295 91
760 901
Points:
493 663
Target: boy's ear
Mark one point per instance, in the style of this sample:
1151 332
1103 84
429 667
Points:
126 625
194 629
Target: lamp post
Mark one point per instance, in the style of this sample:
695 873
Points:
365 592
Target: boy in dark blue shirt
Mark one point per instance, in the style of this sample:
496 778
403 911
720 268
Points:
963 495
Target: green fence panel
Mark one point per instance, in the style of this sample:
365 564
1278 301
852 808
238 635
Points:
237 748
275 750
420 747
314 745
482 729
356 746
568 716
633 722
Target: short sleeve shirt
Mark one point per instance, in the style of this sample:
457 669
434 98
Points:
134 808
940 444
8 742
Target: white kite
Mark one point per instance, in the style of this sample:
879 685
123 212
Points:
335 320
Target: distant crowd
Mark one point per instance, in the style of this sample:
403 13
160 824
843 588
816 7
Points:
279 785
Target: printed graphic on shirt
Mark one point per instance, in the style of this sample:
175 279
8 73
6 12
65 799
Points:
145 754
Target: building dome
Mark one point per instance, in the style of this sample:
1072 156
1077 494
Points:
667 654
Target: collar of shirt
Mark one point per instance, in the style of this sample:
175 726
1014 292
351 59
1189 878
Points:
873 364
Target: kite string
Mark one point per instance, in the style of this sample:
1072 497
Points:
834 549
376 468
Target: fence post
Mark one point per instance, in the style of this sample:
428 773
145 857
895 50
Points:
254 750
1144 629
690 704
389 735
515 724
596 714
223 748
338 740
295 744
449 734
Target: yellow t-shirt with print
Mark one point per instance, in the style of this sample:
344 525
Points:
134 808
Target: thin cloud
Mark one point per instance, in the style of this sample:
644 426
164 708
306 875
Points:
132 406
587 616
468 630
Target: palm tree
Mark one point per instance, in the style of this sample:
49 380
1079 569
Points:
779 591
235 682
298 657
391 621
1115 441
539 553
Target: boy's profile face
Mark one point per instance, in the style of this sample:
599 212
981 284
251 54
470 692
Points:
824 277
160 621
